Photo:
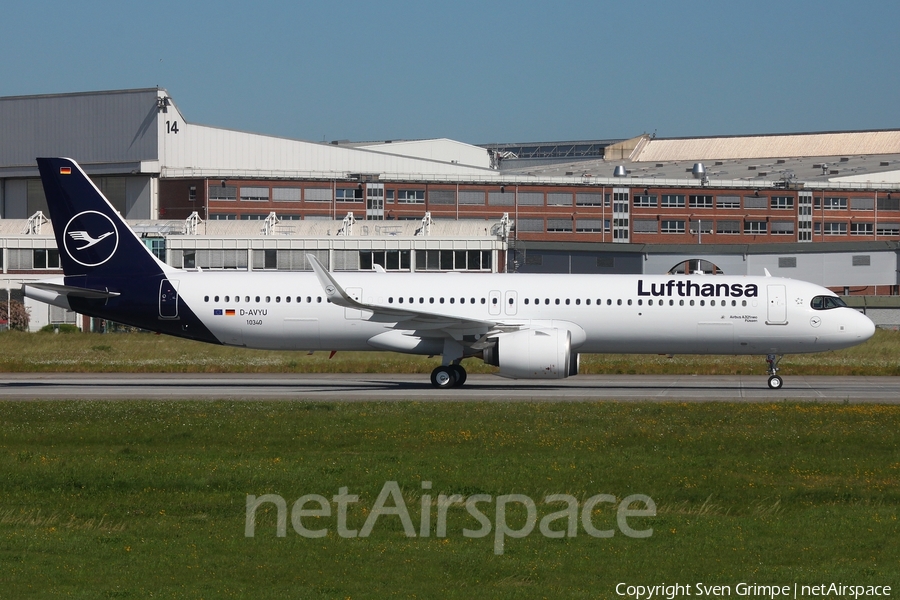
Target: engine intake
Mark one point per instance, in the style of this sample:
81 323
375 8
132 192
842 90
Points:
533 354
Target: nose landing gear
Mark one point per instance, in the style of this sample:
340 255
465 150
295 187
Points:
775 380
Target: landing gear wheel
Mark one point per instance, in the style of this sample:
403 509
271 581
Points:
775 380
460 374
444 377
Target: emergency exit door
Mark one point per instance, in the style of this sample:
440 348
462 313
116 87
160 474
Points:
777 307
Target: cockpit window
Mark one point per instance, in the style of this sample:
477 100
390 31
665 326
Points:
826 302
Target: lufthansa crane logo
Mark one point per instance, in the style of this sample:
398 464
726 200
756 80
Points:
90 238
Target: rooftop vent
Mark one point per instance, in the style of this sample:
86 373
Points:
620 171
698 171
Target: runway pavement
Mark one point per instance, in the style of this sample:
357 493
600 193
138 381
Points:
360 387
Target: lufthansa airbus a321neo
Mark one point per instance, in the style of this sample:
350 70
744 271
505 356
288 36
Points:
531 326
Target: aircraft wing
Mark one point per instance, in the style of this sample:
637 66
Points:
406 318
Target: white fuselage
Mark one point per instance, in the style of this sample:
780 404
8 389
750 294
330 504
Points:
671 314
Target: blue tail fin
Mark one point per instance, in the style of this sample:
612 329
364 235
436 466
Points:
110 273
92 237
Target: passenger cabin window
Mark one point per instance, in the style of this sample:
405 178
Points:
827 302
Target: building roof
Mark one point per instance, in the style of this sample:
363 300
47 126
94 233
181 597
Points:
847 143
143 132
827 160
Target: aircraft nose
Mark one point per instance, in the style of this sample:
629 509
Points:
862 326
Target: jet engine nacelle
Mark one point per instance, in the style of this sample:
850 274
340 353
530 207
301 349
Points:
533 354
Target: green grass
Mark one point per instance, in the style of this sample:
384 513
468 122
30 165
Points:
143 499
146 353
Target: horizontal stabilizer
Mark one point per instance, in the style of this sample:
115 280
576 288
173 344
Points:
69 290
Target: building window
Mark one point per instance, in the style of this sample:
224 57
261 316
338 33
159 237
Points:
318 194
222 217
672 226
389 260
889 203
588 225
728 202
701 226
476 198
728 227
833 228
411 196
157 246
254 194
697 201
755 201
556 199
835 203
862 228
559 225
755 228
435 197
225 193
673 200
286 194
782 228
888 229
646 226
782 202
530 225
862 203
46 258
642 201
452 260
353 194
219 258
583 199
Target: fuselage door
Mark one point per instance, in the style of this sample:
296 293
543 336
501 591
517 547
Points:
777 313
494 302
168 299
511 302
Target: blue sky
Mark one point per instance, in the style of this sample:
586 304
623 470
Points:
474 71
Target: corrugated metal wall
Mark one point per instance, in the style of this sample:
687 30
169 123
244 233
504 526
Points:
104 127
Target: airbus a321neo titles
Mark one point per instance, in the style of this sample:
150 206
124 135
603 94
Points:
531 326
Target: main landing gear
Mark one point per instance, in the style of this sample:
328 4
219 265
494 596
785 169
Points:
775 380
448 376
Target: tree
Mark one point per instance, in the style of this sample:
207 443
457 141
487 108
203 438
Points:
15 314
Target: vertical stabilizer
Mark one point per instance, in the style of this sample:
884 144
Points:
92 237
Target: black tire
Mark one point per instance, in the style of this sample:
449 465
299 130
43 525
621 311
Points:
460 373
775 382
443 377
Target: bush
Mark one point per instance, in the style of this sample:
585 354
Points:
15 314
62 327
